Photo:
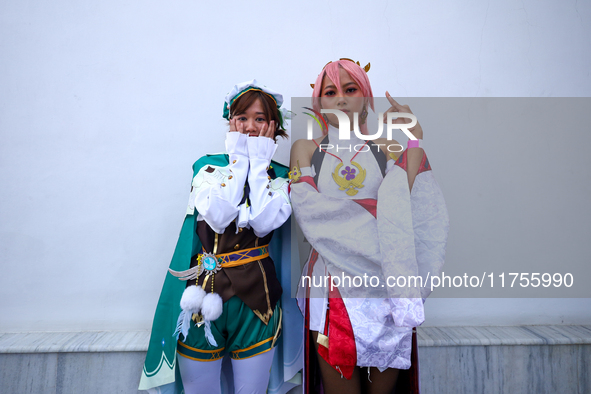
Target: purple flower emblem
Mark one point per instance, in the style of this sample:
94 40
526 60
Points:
349 173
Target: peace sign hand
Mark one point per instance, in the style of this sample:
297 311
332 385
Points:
417 130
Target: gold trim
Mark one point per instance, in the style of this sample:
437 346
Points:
267 316
244 358
244 261
200 350
278 328
222 255
199 359
264 317
215 244
252 346
256 89
322 340
197 318
205 281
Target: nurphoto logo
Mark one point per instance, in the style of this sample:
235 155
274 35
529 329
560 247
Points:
345 129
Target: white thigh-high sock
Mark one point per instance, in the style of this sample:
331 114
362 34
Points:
200 376
251 375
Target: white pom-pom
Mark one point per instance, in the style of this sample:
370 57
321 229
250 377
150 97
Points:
212 306
192 299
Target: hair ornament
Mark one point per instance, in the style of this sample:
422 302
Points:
366 68
285 113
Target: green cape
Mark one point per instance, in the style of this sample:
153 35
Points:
160 365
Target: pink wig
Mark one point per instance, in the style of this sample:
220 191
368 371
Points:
331 71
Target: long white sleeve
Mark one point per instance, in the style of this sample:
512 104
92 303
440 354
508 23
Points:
217 191
269 200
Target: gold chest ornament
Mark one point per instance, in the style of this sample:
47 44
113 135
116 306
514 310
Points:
350 178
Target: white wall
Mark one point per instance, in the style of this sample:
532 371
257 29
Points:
105 106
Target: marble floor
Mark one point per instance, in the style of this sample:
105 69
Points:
522 359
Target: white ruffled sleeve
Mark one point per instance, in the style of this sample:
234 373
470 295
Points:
269 201
217 191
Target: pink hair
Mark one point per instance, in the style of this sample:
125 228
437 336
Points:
331 71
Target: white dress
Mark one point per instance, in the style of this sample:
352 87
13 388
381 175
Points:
351 241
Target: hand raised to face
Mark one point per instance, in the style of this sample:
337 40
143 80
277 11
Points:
237 127
268 130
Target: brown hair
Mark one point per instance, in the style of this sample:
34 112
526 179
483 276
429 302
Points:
269 108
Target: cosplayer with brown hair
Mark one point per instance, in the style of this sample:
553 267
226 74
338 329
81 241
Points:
222 292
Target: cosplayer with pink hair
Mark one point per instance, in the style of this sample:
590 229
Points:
374 211
331 71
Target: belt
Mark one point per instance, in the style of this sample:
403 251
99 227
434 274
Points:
213 263
241 257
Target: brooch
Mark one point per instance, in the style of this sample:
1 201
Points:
208 263
352 178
